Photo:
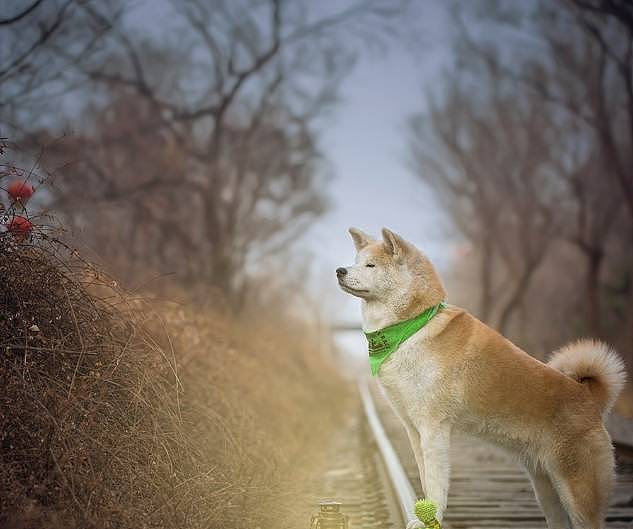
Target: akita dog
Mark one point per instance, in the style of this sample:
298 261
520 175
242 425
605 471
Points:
454 372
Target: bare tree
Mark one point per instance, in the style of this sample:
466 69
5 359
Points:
206 148
582 67
570 62
609 110
592 210
31 68
487 153
619 10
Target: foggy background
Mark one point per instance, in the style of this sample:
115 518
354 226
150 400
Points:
168 299
218 151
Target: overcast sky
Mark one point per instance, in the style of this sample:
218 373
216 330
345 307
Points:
366 142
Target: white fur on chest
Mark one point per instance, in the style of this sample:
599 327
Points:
410 379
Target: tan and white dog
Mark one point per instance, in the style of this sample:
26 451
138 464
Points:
456 373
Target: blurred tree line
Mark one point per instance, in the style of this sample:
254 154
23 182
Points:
194 143
188 141
528 143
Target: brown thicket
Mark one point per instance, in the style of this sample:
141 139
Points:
121 412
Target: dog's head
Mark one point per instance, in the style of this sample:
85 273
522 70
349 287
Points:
390 271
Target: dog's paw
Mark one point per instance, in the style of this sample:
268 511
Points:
415 524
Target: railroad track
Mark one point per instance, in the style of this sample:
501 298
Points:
355 476
488 489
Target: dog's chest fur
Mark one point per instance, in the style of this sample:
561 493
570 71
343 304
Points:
414 380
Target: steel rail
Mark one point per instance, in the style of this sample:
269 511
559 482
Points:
402 488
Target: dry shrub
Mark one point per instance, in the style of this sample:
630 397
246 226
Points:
117 412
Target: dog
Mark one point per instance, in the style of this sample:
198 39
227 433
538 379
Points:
456 373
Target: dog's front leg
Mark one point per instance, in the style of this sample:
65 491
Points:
416 446
435 440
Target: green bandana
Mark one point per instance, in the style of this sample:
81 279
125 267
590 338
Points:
385 341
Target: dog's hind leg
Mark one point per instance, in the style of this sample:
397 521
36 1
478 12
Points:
583 479
548 500
435 440
583 503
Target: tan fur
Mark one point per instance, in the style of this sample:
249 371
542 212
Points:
458 373
597 366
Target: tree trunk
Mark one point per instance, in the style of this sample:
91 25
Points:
485 302
625 340
514 302
593 312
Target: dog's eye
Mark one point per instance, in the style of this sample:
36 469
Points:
370 265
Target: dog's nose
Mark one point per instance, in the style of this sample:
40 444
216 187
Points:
340 272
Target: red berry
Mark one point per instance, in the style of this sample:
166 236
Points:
20 191
19 226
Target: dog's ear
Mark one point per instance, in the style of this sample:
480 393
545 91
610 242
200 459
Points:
360 238
395 244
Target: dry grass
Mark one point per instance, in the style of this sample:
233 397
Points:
117 412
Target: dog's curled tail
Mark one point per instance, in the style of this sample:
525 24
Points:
595 364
